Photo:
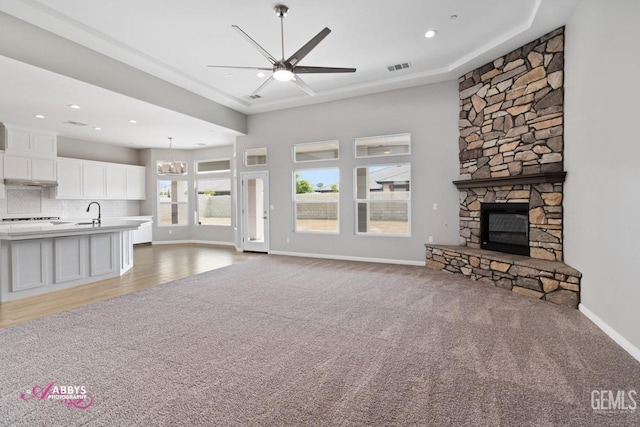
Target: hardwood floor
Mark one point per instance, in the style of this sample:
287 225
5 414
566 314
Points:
153 265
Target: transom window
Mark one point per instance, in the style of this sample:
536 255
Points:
387 145
314 151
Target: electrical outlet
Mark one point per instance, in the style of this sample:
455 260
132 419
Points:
430 239
288 240
435 206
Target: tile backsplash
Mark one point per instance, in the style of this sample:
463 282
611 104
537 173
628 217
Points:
36 202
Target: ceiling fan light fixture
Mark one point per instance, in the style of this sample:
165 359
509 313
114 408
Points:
283 75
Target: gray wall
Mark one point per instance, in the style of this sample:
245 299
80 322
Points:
602 152
210 233
77 149
429 113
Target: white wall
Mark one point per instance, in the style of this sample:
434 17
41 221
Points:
602 102
429 113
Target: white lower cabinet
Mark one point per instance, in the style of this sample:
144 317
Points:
35 266
103 250
70 257
29 264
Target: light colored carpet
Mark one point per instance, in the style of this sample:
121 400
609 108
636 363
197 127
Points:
292 341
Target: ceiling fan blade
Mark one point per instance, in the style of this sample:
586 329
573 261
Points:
263 85
240 68
304 50
302 85
309 69
256 45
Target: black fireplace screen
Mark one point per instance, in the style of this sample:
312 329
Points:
504 227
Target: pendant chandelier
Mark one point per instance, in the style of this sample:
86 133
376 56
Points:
171 167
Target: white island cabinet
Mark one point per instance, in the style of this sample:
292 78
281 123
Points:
43 258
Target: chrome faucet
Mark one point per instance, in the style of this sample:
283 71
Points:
99 219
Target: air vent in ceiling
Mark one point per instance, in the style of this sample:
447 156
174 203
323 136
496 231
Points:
254 97
71 122
397 67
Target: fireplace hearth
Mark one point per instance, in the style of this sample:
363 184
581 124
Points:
504 227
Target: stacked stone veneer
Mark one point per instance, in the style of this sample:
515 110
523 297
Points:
511 125
511 151
547 280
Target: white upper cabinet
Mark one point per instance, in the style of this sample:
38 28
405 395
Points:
87 179
69 179
28 155
27 143
136 182
94 180
2 192
116 182
29 169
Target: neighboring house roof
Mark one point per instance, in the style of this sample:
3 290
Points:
390 174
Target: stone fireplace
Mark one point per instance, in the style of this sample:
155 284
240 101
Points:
511 151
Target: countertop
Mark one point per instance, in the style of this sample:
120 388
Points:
59 228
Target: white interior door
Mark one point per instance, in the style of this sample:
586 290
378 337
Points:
255 211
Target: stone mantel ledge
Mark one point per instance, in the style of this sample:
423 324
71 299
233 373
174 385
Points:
538 178
520 260
551 281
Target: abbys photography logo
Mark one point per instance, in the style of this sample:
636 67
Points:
69 395
611 401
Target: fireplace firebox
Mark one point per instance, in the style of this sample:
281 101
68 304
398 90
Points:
504 227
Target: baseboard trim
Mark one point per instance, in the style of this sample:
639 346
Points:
350 258
200 242
613 334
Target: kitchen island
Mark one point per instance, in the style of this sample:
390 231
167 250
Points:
44 257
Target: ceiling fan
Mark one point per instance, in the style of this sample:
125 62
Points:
288 69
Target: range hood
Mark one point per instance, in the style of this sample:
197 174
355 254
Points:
30 183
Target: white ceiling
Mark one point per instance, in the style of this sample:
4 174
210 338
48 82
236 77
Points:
175 41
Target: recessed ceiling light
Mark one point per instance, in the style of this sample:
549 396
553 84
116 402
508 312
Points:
452 17
133 121
97 128
260 74
74 106
202 144
38 116
230 74
430 33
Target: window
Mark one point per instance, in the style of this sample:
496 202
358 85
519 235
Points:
383 199
255 156
207 166
389 145
173 202
313 151
316 200
214 201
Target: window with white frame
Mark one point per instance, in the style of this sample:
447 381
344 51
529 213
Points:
255 156
316 197
386 145
213 190
316 151
383 199
173 202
